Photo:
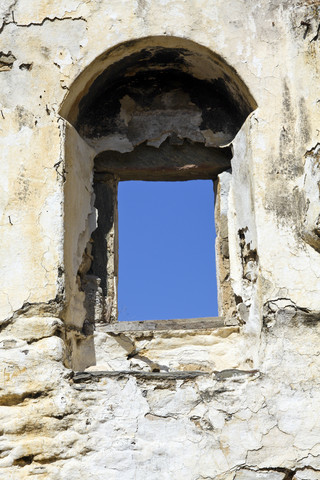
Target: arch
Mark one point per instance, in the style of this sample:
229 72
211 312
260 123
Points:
163 52
156 108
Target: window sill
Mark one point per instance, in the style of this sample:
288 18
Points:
205 323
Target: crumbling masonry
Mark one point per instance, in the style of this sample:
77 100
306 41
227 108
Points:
95 92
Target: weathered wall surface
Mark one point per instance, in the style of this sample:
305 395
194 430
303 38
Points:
238 402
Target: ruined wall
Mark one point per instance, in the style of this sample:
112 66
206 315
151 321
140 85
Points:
234 398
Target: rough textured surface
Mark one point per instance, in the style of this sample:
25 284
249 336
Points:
83 82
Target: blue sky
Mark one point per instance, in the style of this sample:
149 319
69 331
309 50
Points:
166 250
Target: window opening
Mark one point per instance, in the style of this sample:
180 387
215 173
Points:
157 109
166 250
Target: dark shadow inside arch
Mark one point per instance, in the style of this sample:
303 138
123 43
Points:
161 81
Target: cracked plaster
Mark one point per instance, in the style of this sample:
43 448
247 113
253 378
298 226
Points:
220 424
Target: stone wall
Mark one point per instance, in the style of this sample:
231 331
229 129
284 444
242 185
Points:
234 398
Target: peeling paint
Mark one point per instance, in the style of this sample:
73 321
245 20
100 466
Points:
86 88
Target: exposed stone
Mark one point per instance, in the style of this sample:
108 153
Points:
95 92
6 61
32 329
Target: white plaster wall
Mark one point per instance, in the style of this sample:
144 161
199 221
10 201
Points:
260 424
59 40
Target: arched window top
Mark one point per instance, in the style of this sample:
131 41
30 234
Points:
164 76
